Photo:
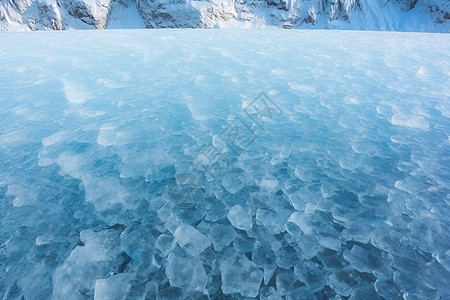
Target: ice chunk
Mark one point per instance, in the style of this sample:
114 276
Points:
43 240
221 236
286 257
186 272
113 287
244 243
366 261
274 221
240 275
308 246
269 183
300 293
265 238
165 244
170 293
302 222
167 213
387 289
232 183
343 281
240 217
55 138
365 292
388 239
269 270
296 200
444 259
410 121
191 240
269 293
329 242
434 276
104 192
357 232
285 280
76 93
131 240
96 259
216 212
23 195
331 260
316 225
263 256
311 275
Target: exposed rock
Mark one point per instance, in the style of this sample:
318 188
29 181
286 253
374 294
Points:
406 15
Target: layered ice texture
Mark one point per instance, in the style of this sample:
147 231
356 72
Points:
342 192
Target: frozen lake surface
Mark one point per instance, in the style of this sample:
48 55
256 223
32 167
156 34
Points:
188 164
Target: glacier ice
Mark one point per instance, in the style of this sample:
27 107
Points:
343 195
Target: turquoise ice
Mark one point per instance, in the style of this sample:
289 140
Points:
120 174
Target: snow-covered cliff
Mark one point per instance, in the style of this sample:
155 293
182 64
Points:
403 15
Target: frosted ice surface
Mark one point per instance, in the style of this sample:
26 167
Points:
345 194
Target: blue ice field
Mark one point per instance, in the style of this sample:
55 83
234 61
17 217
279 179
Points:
192 164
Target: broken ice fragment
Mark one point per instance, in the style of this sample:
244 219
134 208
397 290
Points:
311 275
191 240
240 218
240 275
113 287
186 272
221 236
165 244
343 281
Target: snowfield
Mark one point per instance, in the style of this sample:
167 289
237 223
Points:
194 164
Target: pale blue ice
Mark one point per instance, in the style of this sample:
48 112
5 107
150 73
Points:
119 178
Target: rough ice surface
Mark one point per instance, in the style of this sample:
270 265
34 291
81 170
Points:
108 189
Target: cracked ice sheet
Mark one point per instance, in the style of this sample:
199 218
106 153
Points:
344 194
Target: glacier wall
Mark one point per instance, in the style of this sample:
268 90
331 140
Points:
399 15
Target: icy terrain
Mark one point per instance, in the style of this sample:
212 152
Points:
136 164
398 15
